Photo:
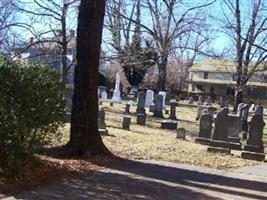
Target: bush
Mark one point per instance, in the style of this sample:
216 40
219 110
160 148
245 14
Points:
30 112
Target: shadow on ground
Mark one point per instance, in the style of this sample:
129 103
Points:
142 180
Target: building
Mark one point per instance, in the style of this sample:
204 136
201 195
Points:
217 77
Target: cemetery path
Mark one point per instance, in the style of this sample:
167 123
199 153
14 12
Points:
159 180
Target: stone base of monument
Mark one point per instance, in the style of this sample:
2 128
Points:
169 124
218 143
201 140
141 119
151 108
103 131
253 155
219 150
126 122
256 149
235 146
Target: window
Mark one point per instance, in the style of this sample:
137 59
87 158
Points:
206 75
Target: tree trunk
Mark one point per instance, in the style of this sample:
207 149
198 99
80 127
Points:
85 137
162 66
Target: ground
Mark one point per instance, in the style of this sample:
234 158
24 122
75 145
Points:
140 143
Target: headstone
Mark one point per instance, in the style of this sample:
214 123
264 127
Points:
200 110
141 119
158 107
223 102
234 129
164 98
205 128
127 109
104 96
244 117
190 100
126 122
117 94
169 124
219 140
141 103
239 109
102 129
100 90
149 98
181 133
200 100
211 111
111 104
259 110
101 115
173 110
208 101
254 148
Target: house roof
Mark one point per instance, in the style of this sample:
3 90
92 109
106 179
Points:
214 65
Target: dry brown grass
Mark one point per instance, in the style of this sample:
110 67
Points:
151 142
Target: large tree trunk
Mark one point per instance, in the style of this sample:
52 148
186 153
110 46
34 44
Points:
85 137
162 66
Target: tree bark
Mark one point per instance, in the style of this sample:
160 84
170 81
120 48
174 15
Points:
162 66
84 137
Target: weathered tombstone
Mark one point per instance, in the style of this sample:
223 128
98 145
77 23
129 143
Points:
127 109
104 96
254 148
141 119
100 103
219 139
200 100
205 128
158 106
259 110
200 110
169 124
149 98
244 117
117 94
102 129
181 133
111 104
101 115
164 98
190 100
239 109
208 101
126 122
141 103
173 110
234 129
223 102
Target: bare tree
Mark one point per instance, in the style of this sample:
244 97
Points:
248 32
56 18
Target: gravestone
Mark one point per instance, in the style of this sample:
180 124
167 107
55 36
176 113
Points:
234 129
158 107
239 109
164 98
141 103
219 139
200 110
104 96
101 115
181 133
173 110
190 100
127 109
169 124
200 100
102 129
141 119
205 128
211 111
259 110
244 117
223 102
254 148
111 104
208 101
116 98
149 98
126 122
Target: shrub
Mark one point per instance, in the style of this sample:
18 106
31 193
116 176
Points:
30 112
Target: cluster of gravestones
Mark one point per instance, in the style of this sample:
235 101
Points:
208 101
230 129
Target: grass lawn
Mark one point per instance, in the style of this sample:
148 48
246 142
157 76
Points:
151 142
